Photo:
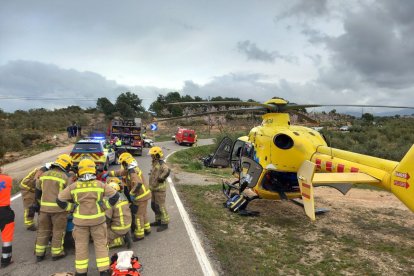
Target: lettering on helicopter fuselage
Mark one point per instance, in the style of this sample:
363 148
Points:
401 184
402 175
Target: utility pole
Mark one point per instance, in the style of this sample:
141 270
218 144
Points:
209 118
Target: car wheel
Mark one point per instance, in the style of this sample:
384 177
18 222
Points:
147 145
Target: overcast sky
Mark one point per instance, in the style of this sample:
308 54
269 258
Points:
306 51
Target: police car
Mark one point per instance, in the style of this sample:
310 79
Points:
96 149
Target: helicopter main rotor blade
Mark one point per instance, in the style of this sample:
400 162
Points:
304 117
299 106
236 103
253 109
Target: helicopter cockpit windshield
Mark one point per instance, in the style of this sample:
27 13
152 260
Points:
240 149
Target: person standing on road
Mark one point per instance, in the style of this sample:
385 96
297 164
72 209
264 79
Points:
158 186
118 218
51 219
88 194
27 189
139 193
6 219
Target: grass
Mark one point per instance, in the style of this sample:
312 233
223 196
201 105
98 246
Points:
283 241
15 186
189 160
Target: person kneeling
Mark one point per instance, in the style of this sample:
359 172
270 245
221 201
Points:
119 219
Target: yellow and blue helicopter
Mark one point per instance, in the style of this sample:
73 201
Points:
278 160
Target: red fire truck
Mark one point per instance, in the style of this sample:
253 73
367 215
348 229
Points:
129 132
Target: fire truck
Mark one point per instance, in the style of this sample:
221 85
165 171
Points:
129 132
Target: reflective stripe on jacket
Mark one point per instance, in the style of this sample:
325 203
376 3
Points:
51 183
158 175
120 216
133 178
89 198
29 182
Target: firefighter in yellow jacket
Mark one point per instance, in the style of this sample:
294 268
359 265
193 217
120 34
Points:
158 186
87 194
139 193
27 189
52 219
118 218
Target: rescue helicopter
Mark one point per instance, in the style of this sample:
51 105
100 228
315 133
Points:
281 161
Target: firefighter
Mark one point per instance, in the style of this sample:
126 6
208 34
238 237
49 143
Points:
119 218
51 219
27 189
87 194
158 185
139 193
6 219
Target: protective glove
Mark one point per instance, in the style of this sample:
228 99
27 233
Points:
134 208
32 211
101 204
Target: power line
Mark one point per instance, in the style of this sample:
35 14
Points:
53 98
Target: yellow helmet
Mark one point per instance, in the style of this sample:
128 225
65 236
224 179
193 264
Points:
155 151
86 166
113 179
64 161
115 186
124 157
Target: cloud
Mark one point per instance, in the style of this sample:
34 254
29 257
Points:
34 79
306 8
376 47
254 53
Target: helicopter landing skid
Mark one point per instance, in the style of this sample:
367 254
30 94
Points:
318 211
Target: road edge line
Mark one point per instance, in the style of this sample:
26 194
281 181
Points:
16 196
202 258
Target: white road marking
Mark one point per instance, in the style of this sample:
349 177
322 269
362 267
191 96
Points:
16 196
195 241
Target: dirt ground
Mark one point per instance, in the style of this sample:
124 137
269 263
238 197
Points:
365 231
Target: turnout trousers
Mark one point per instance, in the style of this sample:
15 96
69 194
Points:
28 200
51 223
116 237
100 240
142 224
158 206
7 232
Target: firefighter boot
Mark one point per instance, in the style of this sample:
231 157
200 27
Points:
81 274
128 240
162 227
40 258
104 273
156 223
60 256
32 228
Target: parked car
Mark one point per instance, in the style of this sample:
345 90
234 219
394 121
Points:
148 143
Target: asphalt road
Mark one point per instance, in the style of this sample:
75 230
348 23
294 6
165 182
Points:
167 253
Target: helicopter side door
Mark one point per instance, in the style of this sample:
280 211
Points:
221 157
250 172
